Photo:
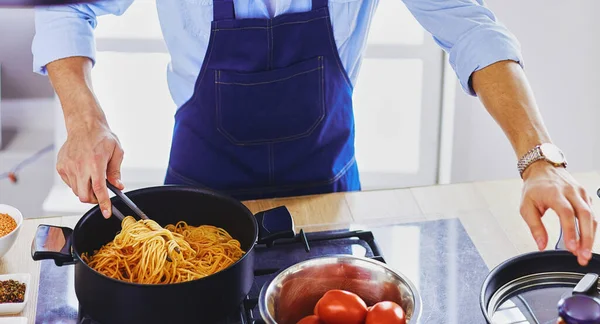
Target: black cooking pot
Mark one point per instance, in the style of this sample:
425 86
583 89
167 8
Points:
205 300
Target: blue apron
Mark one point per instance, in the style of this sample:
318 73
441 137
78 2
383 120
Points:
271 114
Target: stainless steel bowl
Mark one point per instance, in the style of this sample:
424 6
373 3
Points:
294 292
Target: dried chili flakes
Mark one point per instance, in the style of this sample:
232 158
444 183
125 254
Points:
12 291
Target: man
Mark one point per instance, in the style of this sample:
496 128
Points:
264 90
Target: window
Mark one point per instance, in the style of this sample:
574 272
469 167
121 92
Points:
397 102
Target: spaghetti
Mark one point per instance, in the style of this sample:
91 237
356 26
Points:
146 253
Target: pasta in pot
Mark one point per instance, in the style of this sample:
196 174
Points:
146 253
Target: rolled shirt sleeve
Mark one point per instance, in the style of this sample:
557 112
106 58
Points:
67 31
469 32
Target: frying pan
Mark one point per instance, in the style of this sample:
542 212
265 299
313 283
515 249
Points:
538 287
211 298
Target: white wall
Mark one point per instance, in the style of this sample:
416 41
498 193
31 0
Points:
26 115
16 32
561 50
26 96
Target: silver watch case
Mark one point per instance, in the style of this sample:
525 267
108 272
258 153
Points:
546 151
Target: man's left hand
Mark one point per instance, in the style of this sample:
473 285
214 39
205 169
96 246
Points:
549 187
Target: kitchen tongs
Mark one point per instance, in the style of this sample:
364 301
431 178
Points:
133 206
127 202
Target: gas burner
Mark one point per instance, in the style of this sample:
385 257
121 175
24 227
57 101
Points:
445 263
271 259
286 252
237 318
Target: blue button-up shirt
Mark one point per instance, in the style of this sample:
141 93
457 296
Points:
466 29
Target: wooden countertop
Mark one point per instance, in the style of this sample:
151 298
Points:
489 211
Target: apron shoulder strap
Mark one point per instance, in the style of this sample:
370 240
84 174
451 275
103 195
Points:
223 10
318 4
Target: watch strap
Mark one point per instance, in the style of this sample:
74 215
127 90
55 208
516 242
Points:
539 153
535 154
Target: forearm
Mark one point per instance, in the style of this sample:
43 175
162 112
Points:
71 79
91 153
505 92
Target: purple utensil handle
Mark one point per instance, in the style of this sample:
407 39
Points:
579 309
583 307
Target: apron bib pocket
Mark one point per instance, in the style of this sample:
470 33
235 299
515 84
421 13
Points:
272 106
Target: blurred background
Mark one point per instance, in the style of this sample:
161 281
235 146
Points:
406 97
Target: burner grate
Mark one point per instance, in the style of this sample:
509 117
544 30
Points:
272 258
309 242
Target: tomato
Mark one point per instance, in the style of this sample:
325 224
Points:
299 296
386 312
312 319
341 307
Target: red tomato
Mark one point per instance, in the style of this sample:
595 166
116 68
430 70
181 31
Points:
386 312
312 319
341 307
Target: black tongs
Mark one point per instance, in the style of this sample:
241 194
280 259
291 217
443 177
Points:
127 202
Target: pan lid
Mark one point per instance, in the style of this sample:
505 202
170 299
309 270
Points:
541 288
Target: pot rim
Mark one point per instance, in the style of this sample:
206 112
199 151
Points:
96 211
483 305
416 295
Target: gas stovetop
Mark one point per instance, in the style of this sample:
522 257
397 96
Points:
437 256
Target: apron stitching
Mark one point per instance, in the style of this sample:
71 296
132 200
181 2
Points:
271 50
307 133
202 71
241 28
298 22
184 179
217 101
312 128
337 54
268 45
267 82
271 164
322 86
208 57
275 25
337 177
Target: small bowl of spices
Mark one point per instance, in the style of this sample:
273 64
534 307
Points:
14 292
10 225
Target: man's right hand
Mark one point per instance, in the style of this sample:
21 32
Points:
91 155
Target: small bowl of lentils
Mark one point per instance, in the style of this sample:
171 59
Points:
10 225
14 292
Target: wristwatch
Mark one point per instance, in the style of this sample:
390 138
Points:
546 151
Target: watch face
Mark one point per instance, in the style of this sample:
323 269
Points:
552 153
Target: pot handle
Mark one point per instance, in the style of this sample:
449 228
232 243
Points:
273 224
53 242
